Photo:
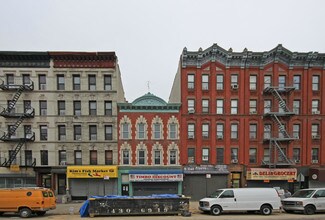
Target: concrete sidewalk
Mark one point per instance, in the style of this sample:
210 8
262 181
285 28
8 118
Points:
73 207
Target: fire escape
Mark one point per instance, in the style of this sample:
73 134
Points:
279 140
13 112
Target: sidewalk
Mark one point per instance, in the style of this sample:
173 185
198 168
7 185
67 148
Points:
73 207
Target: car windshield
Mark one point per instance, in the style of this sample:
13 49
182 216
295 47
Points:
303 194
216 194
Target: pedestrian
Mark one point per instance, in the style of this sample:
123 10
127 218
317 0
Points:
287 193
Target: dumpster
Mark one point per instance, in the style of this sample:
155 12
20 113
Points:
138 205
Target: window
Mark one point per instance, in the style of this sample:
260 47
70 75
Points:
43 108
191 155
157 157
296 131
281 156
315 83
220 128
267 81
108 108
205 106
92 132
234 154
61 107
314 130
44 157
296 106
77 132
28 158
141 130
266 155
76 82
108 132
190 81
190 105
315 106
60 82
205 131
93 157
10 79
205 155
190 131
267 106
282 82
77 157
92 82
296 155
92 108
234 131
62 134
43 132
234 106
141 157
252 131
282 106
173 131
12 154
107 82
157 130
282 131
219 106
220 155
125 130
234 80
252 106
62 157
28 106
41 82
126 157
26 79
28 131
296 82
108 157
77 108
252 155
252 82
314 155
267 131
219 82
205 82
173 157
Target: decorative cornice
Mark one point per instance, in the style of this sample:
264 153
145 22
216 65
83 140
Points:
18 59
248 58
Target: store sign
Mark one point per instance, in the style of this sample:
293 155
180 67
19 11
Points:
271 174
155 177
92 171
204 169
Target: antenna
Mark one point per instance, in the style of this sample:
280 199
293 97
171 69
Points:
148 84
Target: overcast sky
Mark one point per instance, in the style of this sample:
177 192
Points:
148 36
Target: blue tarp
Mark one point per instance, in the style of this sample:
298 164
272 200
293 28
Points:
84 208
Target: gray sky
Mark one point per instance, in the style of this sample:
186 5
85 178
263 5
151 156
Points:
148 36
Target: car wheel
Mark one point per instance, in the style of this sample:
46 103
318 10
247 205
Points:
216 210
25 212
309 210
266 210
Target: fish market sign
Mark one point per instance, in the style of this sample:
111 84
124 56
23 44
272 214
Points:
91 171
271 174
155 177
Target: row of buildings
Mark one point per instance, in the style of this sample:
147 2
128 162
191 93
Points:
233 119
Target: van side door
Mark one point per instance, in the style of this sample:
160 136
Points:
319 198
228 200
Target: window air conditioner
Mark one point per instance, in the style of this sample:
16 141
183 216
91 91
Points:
316 112
220 137
253 112
190 136
297 161
315 136
191 111
234 161
314 161
234 86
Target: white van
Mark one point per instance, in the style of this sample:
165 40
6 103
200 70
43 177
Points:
242 199
308 201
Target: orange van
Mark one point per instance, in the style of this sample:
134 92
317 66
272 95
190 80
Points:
27 201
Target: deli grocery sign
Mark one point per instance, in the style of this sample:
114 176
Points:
271 174
155 177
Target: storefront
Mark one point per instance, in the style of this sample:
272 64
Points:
201 181
144 181
317 177
285 178
86 181
16 176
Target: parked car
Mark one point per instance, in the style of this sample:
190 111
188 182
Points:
263 200
27 201
307 201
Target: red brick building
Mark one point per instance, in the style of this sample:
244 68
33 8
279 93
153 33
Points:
260 113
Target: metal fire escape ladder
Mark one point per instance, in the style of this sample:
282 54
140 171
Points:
13 154
14 100
280 154
13 129
281 127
